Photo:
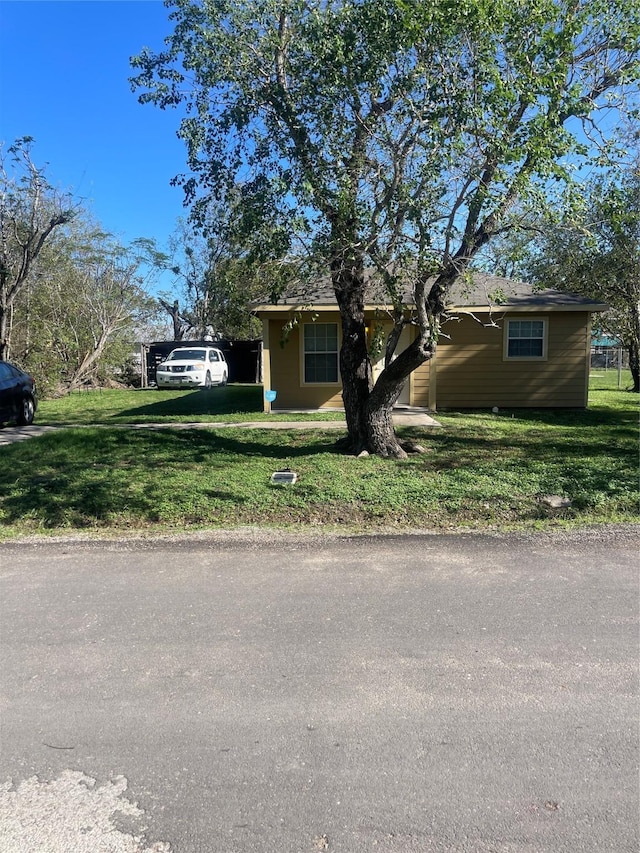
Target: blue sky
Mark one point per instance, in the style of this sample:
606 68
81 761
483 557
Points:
64 68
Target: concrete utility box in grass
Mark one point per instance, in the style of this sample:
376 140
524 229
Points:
284 478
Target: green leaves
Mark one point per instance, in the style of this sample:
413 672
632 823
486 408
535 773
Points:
368 105
397 134
592 247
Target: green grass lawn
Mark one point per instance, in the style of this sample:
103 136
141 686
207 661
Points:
609 380
231 404
481 469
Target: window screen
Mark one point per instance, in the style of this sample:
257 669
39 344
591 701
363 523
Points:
525 339
321 352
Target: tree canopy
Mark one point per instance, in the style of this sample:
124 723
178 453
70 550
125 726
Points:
391 136
71 297
595 250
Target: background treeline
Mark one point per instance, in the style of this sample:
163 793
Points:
75 302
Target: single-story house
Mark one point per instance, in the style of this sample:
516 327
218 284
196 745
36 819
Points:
504 345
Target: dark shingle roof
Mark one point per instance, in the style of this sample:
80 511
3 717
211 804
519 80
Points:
480 290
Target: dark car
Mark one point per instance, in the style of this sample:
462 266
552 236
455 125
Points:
18 397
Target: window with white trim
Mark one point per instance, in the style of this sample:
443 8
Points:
320 352
525 339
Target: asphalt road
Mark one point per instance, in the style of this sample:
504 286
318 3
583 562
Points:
422 693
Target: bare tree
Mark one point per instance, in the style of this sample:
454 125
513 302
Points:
30 211
179 322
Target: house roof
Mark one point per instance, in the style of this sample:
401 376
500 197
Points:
482 292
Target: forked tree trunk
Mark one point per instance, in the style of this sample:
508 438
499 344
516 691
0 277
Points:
381 436
368 408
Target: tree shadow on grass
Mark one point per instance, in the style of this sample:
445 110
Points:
582 418
593 466
229 442
87 478
228 400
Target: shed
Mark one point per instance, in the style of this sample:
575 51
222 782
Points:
243 357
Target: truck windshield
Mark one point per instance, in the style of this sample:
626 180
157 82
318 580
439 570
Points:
187 355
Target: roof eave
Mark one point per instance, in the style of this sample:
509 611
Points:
531 307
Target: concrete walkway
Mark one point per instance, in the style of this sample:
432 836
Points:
9 435
403 417
417 418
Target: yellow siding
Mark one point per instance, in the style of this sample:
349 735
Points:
472 372
286 375
469 368
420 385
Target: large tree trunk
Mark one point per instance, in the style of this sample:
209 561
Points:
632 339
347 272
381 436
368 409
